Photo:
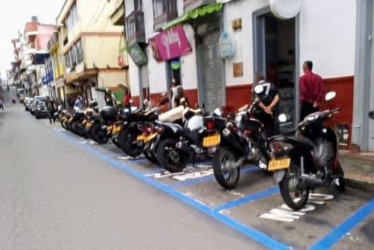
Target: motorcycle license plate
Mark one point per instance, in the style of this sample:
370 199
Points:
88 125
140 138
116 130
279 164
211 141
150 137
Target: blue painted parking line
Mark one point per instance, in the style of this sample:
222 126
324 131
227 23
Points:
199 180
155 171
245 230
138 160
247 199
340 231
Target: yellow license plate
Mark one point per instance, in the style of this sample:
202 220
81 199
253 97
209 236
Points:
140 138
70 120
211 141
279 164
150 137
116 130
88 125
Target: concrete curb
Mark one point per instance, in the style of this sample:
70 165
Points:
359 184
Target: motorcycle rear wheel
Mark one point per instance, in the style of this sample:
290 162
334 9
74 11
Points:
96 134
289 185
227 178
149 155
169 158
129 144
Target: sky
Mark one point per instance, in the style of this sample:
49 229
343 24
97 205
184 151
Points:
14 15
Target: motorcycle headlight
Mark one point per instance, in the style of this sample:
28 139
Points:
280 148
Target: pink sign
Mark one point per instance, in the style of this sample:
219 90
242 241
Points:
172 43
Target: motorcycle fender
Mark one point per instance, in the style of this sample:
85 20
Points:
279 175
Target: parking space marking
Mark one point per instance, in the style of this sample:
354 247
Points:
251 233
247 199
196 181
341 231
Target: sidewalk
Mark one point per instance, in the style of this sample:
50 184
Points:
358 168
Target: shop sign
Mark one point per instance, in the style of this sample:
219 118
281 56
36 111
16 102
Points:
137 54
226 46
170 44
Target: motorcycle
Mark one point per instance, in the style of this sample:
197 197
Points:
132 129
244 140
106 126
178 144
308 160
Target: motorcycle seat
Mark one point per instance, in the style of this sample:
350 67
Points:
292 139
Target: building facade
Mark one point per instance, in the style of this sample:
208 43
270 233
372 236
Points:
222 46
91 46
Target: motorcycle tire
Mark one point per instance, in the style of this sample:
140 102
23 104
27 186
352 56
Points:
129 145
227 179
63 124
96 136
74 127
173 163
298 202
341 180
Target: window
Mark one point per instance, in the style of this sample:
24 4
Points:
138 5
164 10
79 51
71 18
75 55
67 60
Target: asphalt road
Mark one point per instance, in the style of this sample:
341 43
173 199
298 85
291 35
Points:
55 196
59 191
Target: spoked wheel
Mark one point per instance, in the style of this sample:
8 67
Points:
98 135
226 175
294 193
170 157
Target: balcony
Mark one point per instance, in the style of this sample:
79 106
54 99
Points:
53 41
164 11
193 4
135 30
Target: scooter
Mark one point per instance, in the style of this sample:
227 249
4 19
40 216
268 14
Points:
308 160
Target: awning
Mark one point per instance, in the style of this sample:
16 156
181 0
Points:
195 14
71 77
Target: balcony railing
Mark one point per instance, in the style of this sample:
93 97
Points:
53 40
135 29
192 4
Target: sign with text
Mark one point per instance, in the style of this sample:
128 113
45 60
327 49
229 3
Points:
172 43
137 54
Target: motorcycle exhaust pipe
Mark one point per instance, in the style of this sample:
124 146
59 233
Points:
310 180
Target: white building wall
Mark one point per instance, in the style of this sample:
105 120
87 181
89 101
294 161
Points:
188 68
242 39
327 36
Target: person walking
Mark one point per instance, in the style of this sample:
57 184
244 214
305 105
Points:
126 99
176 93
51 107
311 90
79 103
1 104
110 99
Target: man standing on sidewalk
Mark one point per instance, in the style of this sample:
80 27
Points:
311 90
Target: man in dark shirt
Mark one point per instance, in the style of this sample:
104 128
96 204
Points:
268 102
311 90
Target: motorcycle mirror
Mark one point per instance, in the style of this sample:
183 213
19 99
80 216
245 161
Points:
371 114
330 95
282 118
258 89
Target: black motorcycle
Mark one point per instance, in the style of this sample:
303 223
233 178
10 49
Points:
179 144
307 161
244 140
132 128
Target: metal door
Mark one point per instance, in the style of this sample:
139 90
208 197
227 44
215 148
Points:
212 87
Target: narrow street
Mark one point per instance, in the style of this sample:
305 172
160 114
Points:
56 196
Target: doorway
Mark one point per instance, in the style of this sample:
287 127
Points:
276 57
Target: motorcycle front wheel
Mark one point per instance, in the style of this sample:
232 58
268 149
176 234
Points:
170 158
294 193
227 177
